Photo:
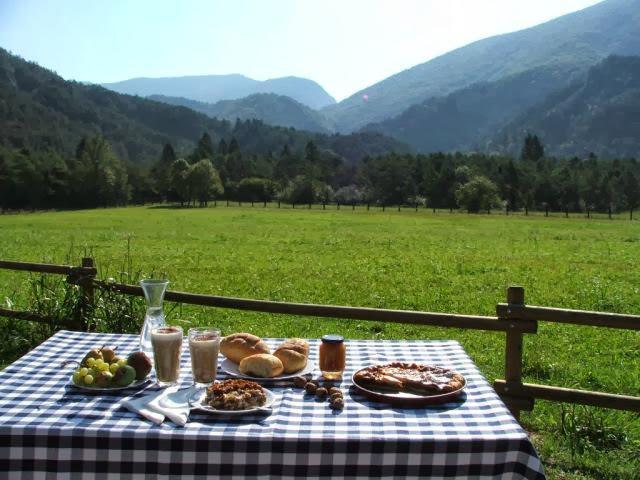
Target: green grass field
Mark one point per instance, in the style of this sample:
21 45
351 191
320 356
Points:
446 263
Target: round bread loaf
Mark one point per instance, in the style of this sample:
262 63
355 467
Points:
261 365
293 354
240 345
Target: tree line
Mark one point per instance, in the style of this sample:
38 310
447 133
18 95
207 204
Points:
96 177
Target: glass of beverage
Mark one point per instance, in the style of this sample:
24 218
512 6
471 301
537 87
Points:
167 348
204 345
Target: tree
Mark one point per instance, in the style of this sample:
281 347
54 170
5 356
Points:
511 185
99 177
388 179
349 194
532 149
204 149
303 189
631 190
179 183
222 147
204 182
233 146
479 193
286 167
255 190
161 171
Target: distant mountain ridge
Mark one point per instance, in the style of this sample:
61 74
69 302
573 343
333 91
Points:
213 88
599 114
272 109
40 111
462 120
569 45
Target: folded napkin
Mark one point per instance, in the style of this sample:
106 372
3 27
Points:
170 402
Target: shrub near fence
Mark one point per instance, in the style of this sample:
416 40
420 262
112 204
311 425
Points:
514 318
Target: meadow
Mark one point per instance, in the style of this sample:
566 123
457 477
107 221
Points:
406 260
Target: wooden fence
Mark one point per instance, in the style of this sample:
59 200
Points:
353 206
514 318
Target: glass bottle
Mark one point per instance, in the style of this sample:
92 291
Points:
333 353
154 295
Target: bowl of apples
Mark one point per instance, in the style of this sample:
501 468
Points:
102 369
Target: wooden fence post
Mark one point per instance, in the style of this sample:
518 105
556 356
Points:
87 295
513 350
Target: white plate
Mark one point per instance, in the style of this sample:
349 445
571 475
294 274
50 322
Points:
199 405
136 384
231 368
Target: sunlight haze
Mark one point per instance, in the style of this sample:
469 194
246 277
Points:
344 46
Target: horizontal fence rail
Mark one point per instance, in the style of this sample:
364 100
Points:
354 313
32 317
48 268
515 318
568 395
563 315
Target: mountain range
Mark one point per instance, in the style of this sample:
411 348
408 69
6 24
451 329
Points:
270 108
213 88
41 111
572 81
567 45
481 97
598 114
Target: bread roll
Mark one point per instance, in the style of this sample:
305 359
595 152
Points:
261 365
240 345
293 354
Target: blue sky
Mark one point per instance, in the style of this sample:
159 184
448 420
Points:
344 45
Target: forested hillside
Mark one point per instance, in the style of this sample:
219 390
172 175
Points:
599 114
568 45
268 107
40 110
464 119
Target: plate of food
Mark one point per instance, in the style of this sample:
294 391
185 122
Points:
101 370
409 384
250 358
234 397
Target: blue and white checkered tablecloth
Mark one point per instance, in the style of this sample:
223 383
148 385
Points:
50 429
